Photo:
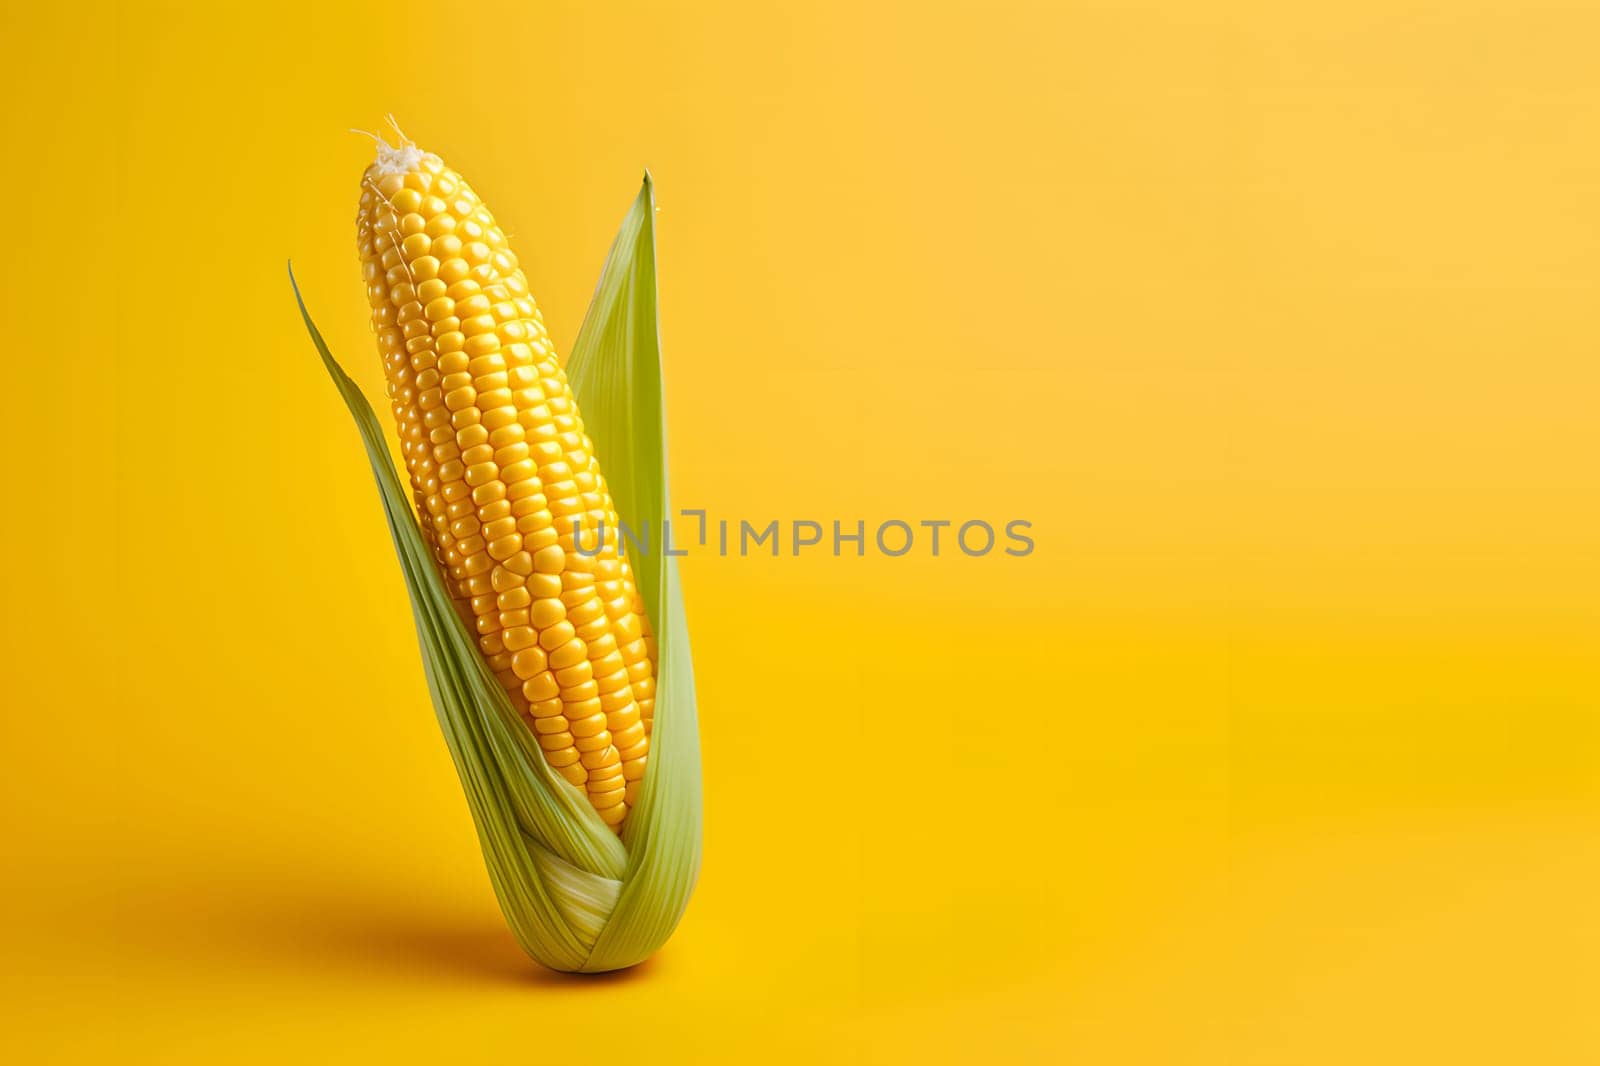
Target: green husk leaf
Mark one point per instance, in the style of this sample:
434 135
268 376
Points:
615 373
575 896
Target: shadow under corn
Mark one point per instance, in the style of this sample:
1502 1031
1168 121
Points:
428 942
220 921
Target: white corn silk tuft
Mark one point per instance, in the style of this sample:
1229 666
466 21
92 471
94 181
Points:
401 160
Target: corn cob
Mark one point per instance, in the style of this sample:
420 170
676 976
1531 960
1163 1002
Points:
506 484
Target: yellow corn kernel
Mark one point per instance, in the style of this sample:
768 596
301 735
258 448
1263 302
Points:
501 469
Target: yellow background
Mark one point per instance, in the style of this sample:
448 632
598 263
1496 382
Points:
1279 321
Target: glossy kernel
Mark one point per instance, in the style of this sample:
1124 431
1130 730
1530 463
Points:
496 453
